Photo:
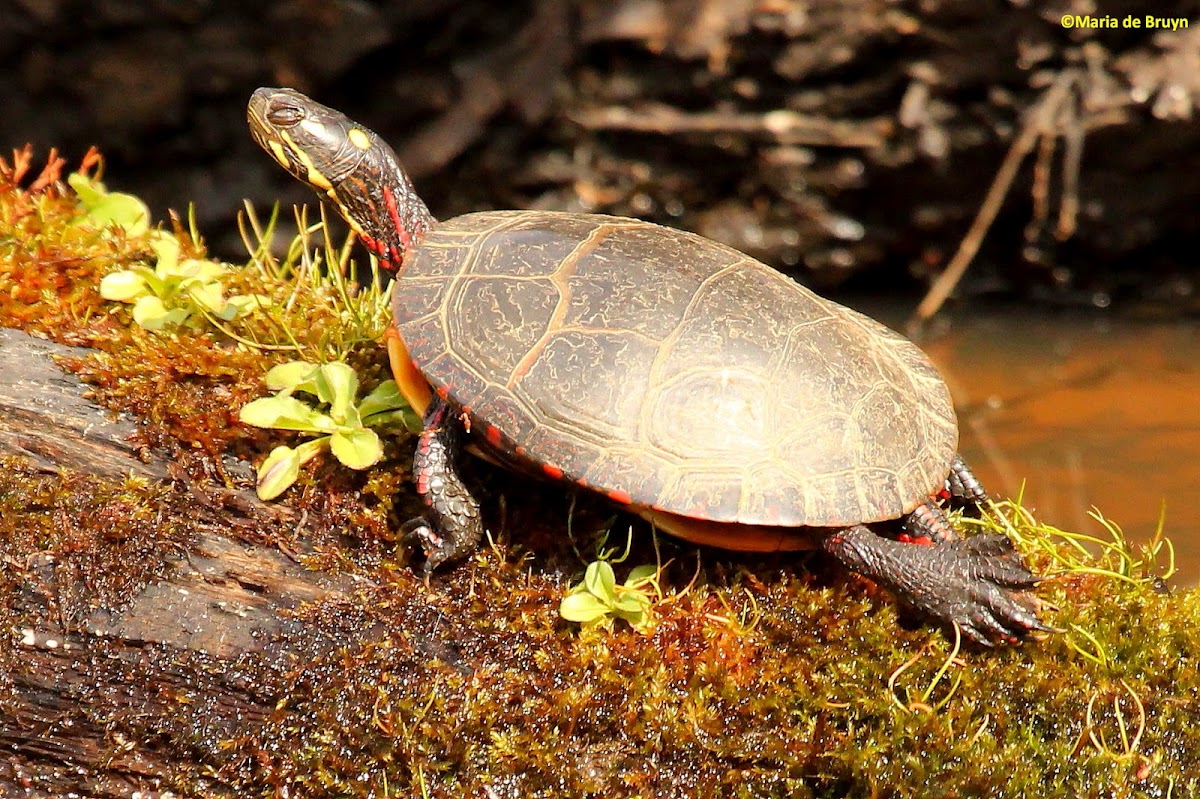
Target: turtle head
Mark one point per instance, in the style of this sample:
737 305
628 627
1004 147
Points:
345 163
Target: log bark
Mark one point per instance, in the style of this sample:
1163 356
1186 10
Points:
77 675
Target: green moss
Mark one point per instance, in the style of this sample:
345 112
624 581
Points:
186 386
757 678
105 538
754 686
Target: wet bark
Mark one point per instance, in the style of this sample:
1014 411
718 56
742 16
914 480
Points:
85 685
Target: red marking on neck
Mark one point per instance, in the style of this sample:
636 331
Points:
372 244
389 200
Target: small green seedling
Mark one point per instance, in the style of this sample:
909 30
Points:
340 423
104 209
599 599
176 292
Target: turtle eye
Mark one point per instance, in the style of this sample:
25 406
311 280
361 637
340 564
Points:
284 116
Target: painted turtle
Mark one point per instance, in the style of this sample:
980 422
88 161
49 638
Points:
679 377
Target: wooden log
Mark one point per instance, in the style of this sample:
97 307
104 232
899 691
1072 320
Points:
79 674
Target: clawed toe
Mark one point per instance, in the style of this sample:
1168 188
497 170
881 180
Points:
994 559
979 585
1007 618
984 629
993 613
419 533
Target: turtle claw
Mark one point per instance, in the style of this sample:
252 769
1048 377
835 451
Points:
452 527
1010 625
987 595
979 584
419 533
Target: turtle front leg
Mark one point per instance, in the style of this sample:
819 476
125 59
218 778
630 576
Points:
453 527
979 584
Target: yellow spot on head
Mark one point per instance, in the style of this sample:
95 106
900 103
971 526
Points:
359 138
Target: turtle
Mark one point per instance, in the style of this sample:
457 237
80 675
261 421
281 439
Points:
682 379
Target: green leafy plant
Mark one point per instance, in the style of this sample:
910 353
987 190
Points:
104 208
598 600
340 423
174 292
177 292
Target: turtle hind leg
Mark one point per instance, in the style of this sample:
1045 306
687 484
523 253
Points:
978 584
965 488
452 528
927 524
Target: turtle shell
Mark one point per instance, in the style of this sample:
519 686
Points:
672 372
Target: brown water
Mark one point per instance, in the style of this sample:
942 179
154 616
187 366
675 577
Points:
1090 410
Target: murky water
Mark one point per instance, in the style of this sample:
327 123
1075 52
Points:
1089 410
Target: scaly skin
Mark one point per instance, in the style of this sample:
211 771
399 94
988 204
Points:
453 527
978 584
964 485
928 525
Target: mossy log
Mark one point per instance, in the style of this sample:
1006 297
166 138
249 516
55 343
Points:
167 633
167 637
98 643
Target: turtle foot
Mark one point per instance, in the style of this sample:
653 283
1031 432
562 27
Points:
436 548
452 528
979 585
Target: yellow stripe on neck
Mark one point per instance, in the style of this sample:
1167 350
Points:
315 177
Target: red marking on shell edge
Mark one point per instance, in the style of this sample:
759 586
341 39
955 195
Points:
620 496
552 472
443 392
493 435
520 450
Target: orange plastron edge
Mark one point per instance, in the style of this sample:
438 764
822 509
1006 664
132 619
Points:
412 384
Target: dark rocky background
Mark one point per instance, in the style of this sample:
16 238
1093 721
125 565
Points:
852 140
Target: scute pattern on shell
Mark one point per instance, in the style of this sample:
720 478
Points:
645 360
